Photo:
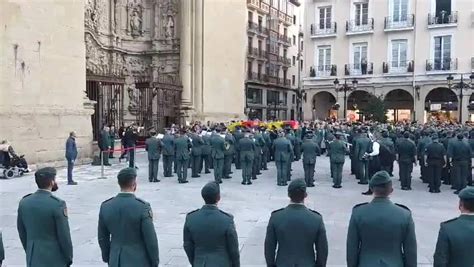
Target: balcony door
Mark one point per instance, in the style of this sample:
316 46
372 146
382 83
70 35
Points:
324 60
399 55
399 11
443 7
361 14
359 58
325 17
442 52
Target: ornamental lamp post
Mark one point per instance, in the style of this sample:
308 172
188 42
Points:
460 86
345 88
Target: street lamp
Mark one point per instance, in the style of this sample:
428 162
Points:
345 88
460 86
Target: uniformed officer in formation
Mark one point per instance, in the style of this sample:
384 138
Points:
238 134
257 161
247 156
168 153
266 148
126 232
282 153
206 151
362 147
229 153
182 146
196 155
297 232
406 157
456 236
381 233
2 250
217 152
386 153
153 146
459 152
435 160
310 151
337 156
209 235
43 225
423 142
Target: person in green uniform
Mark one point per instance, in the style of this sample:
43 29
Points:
406 157
456 236
362 147
228 154
257 161
387 153
291 137
238 134
372 243
459 153
435 160
266 148
310 151
182 146
206 151
282 152
424 141
126 232
168 154
297 231
196 154
247 155
337 156
209 235
43 225
217 152
2 250
298 144
153 146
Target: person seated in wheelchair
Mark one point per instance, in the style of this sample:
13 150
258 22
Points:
9 160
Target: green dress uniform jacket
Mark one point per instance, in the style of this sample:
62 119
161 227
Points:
217 146
247 156
282 153
168 145
43 227
182 146
300 236
210 238
454 247
126 232
362 146
153 146
381 233
337 156
2 250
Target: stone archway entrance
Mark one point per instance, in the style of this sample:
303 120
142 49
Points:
441 104
357 101
322 105
399 104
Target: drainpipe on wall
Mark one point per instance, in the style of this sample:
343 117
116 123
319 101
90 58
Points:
414 61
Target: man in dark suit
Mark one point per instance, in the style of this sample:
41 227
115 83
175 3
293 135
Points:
71 155
104 145
362 147
130 139
126 232
209 235
372 243
456 236
43 225
297 231
153 146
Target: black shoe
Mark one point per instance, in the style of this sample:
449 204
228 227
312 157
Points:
156 181
195 176
437 191
408 188
108 164
254 178
456 192
184 182
265 169
367 193
72 183
136 167
231 172
244 183
281 184
404 188
285 184
311 185
249 182
207 172
432 191
219 182
259 173
362 182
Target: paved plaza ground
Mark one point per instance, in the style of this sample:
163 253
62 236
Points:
250 205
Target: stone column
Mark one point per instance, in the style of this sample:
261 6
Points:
187 45
465 104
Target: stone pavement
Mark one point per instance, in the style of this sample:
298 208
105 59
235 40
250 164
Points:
250 205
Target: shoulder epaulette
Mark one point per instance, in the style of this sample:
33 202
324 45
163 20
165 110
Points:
403 206
141 200
315 211
56 198
278 210
192 211
108 199
27 195
360 204
452 220
228 214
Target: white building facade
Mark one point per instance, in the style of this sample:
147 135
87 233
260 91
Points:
401 50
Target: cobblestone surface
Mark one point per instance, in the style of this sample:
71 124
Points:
250 205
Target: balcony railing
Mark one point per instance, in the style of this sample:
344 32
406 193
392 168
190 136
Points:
323 71
278 81
256 77
323 29
257 53
401 22
443 18
360 26
447 64
259 29
394 67
261 5
285 61
284 39
359 69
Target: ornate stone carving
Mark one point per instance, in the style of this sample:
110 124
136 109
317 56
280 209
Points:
91 15
97 59
135 18
134 99
168 13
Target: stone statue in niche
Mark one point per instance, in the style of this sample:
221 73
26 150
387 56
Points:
169 27
136 23
134 99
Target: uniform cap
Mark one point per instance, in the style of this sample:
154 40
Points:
434 136
298 184
127 173
210 190
467 193
45 173
380 178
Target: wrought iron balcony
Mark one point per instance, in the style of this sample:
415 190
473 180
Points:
285 61
359 69
323 29
256 28
399 23
278 81
259 5
284 39
360 26
323 71
443 19
395 67
256 77
448 64
254 52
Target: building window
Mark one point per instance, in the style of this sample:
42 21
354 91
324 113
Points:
254 96
260 22
400 10
285 74
301 64
285 52
250 44
399 54
249 69
259 71
443 8
285 32
301 46
293 99
294 60
442 52
361 14
325 14
285 98
294 40
250 14
293 79
294 19
324 60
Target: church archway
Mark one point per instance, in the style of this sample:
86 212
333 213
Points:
399 104
322 105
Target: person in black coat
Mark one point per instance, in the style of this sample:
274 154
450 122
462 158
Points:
130 140
71 155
